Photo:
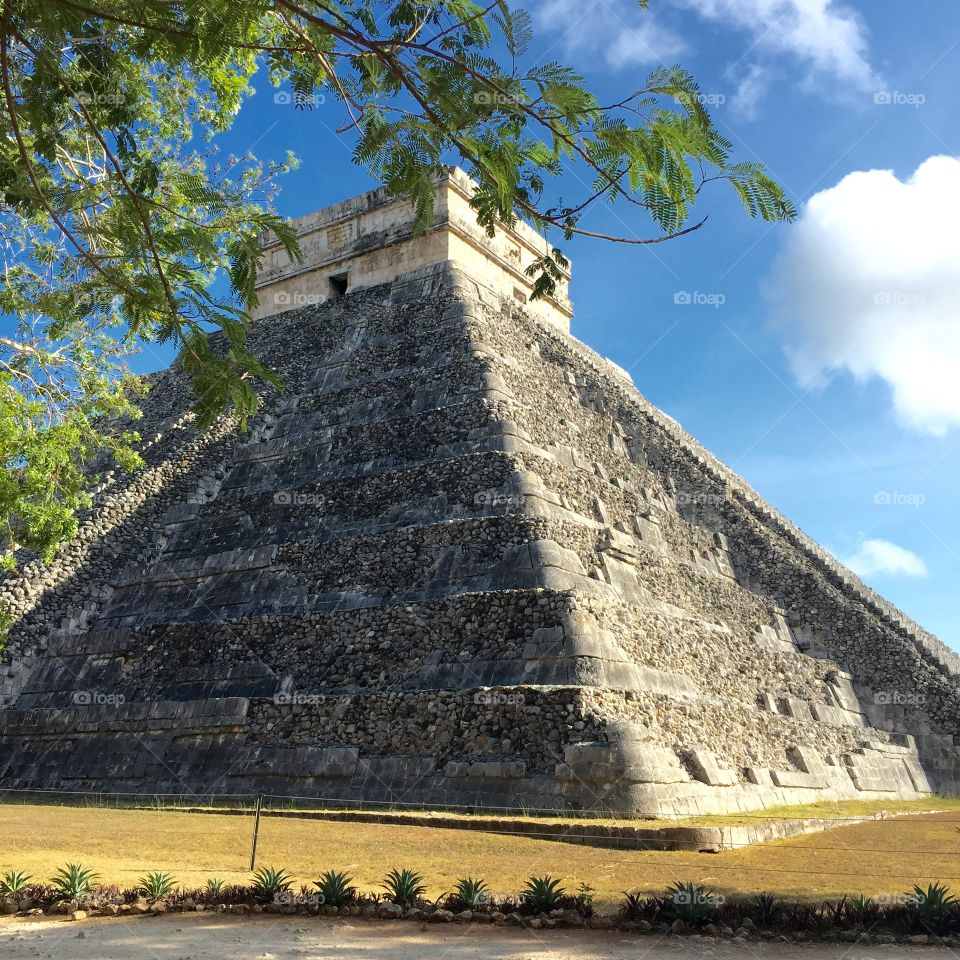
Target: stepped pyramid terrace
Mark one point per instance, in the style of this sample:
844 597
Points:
458 559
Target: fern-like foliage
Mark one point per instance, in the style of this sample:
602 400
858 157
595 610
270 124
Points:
121 227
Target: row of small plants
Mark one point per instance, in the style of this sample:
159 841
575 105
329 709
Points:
405 888
931 910
684 906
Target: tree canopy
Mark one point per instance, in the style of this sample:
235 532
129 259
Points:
118 214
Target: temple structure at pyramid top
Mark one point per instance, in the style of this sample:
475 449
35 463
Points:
370 240
456 558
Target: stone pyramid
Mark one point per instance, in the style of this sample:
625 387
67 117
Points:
459 559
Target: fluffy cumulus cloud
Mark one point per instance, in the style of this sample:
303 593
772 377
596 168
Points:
616 31
879 557
868 283
826 36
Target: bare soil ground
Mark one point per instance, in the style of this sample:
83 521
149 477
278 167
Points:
198 937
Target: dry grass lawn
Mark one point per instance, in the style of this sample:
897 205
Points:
878 857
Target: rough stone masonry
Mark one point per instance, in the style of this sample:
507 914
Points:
456 559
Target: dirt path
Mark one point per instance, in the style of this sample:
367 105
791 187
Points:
203 938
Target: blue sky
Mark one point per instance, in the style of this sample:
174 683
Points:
820 360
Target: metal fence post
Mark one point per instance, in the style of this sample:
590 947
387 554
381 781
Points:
256 831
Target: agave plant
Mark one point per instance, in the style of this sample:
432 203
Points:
766 907
335 888
470 893
691 903
157 885
542 894
14 883
214 887
74 881
934 906
269 883
404 887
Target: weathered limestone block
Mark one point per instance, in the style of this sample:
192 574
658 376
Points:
837 716
792 779
806 759
706 769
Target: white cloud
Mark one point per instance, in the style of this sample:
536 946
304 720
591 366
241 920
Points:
616 30
751 89
826 36
883 557
868 283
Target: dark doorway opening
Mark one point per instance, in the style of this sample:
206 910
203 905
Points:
338 285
